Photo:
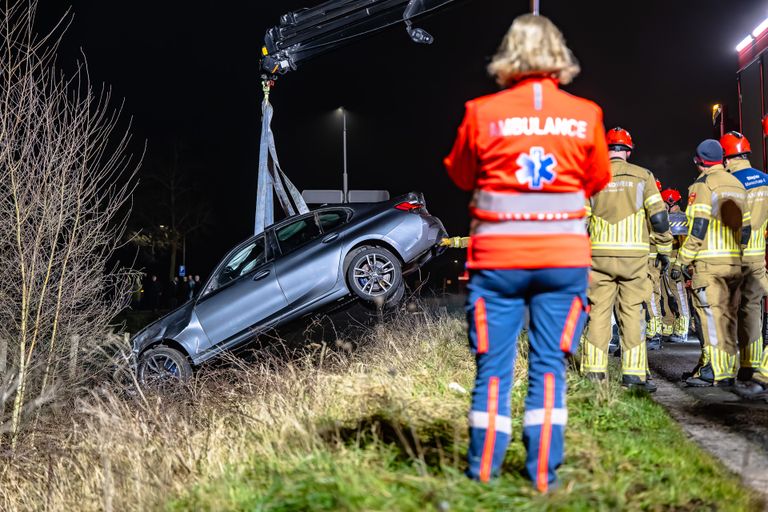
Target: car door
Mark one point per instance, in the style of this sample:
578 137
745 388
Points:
242 295
311 255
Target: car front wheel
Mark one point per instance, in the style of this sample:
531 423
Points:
374 274
162 366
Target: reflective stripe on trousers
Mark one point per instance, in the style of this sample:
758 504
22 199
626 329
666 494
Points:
555 299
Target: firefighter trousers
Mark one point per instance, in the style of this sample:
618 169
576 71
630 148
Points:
555 299
715 299
754 287
680 323
622 281
761 375
653 301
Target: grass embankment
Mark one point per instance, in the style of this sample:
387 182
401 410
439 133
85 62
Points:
376 428
388 432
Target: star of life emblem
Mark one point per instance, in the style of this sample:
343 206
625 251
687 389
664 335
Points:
536 168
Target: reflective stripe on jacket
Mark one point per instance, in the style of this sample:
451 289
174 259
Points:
717 200
756 184
619 223
532 153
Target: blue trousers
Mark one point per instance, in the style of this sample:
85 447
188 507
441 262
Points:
556 301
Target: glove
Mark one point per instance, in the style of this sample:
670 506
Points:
678 273
663 262
457 242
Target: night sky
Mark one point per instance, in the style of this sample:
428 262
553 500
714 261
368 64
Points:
188 71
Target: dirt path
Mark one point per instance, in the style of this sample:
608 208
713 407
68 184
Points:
733 430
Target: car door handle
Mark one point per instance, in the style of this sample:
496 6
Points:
330 238
261 275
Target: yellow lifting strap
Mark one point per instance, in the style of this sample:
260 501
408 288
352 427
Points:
456 242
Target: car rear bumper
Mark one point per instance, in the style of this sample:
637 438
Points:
434 232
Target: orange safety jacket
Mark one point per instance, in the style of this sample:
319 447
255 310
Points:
532 153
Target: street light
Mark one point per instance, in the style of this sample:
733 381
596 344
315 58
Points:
717 111
345 177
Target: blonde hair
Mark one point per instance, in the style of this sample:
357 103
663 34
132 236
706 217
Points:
533 46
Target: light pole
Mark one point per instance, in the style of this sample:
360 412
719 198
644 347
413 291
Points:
535 7
718 110
345 182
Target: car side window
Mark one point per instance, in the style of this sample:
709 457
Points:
297 233
332 219
243 261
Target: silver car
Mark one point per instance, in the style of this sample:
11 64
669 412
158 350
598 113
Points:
295 268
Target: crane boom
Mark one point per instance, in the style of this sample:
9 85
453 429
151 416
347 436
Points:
306 33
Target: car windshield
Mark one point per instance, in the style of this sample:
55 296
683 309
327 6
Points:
297 233
242 262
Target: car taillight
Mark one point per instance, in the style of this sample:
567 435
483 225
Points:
410 206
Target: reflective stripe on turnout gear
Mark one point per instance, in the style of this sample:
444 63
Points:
717 200
635 361
593 360
752 355
756 184
723 364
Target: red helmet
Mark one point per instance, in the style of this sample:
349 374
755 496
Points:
658 185
735 144
619 139
671 196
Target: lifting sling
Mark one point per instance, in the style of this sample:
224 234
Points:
271 177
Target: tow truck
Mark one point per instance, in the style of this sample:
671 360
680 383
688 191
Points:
307 33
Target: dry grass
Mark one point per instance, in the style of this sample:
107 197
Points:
332 427
106 450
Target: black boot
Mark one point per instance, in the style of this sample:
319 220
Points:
655 343
596 376
635 382
745 374
703 377
753 390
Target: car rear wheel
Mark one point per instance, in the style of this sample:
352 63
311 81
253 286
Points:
375 274
163 366
396 298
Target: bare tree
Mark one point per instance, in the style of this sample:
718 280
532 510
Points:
66 178
169 209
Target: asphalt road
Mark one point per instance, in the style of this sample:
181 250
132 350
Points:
716 405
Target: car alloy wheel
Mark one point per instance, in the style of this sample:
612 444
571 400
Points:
163 366
374 274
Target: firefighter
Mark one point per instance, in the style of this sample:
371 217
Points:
718 225
619 223
531 153
678 312
654 310
754 285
